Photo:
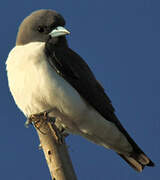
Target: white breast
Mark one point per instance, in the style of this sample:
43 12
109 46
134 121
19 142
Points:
35 86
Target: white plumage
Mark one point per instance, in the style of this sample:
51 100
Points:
37 88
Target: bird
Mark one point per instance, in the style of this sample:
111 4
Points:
44 73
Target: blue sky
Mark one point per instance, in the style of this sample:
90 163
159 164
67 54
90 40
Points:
120 40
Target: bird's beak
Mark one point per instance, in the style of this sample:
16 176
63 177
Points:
59 31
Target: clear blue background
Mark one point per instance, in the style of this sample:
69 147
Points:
120 40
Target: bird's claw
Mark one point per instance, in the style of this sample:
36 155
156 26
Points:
40 146
28 122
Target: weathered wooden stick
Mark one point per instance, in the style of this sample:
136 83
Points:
56 154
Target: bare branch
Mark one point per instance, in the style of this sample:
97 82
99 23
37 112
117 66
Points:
56 153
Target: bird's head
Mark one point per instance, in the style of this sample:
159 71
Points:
40 26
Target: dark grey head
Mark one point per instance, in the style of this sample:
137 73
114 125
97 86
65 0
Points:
41 25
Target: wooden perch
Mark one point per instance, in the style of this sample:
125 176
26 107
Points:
55 151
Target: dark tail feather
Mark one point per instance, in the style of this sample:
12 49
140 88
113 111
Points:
137 161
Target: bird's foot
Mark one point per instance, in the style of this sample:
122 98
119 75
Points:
33 119
38 120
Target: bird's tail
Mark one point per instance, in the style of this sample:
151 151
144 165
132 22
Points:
137 160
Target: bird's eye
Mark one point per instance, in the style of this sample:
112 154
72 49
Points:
40 29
